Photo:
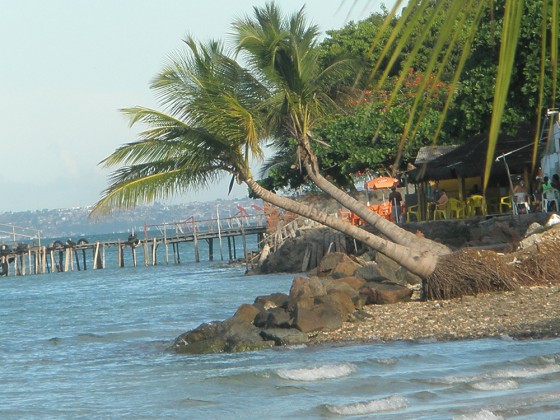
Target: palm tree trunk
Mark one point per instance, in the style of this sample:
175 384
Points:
421 263
394 232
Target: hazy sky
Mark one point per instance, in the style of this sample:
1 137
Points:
67 66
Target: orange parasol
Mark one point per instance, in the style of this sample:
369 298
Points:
381 183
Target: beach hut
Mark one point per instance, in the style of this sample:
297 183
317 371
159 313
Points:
459 169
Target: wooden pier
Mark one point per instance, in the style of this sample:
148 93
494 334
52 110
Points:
33 257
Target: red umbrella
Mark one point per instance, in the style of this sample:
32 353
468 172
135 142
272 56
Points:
381 183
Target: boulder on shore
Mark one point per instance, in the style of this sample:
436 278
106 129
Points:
315 303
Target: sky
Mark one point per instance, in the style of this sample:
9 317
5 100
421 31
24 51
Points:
68 66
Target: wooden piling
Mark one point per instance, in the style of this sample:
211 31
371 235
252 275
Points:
146 253
119 255
166 247
133 255
210 249
103 256
196 253
154 252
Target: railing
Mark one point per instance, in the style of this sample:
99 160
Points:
19 232
241 220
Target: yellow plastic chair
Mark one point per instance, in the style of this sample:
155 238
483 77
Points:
441 213
505 201
455 208
476 204
412 211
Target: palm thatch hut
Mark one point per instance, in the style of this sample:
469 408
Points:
460 168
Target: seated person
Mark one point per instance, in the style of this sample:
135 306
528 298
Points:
521 197
395 198
440 203
555 181
546 184
520 188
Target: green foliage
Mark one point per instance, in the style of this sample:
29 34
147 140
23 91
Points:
472 110
355 40
368 139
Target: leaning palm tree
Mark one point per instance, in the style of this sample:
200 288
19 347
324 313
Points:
284 54
211 127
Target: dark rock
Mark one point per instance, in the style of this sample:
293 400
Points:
345 269
274 300
384 293
368 272
289 257
317 317
340 301
330 261
342 287
231 335
247 313
285 337
273 318
305 289
354 282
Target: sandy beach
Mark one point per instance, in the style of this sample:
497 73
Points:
522 314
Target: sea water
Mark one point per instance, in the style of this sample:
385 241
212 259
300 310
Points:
94 344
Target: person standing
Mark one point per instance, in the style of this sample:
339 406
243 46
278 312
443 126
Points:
395 198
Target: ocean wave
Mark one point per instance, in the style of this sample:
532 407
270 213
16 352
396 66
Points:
495 385
503 374
317 373
481 415
393 403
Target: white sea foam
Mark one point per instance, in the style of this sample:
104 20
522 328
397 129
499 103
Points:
495 385
317 373
481 415
296 346
504 373
393 403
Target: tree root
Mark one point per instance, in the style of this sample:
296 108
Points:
470 272
540 263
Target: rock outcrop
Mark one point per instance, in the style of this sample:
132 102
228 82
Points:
319 302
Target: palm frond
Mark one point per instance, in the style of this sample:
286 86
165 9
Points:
510 35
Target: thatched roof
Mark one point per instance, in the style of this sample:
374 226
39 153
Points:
429 153
468 160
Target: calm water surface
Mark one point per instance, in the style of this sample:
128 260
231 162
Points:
92 344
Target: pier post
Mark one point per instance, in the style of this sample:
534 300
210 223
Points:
84 258
166 246
229 247
210 249
103 257
133 255
96 256
23 265
77 257
154 250
16 268
5 266
45 260
146 252
30 261
119 256
196 253
244 246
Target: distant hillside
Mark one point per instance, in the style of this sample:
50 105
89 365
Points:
75 222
